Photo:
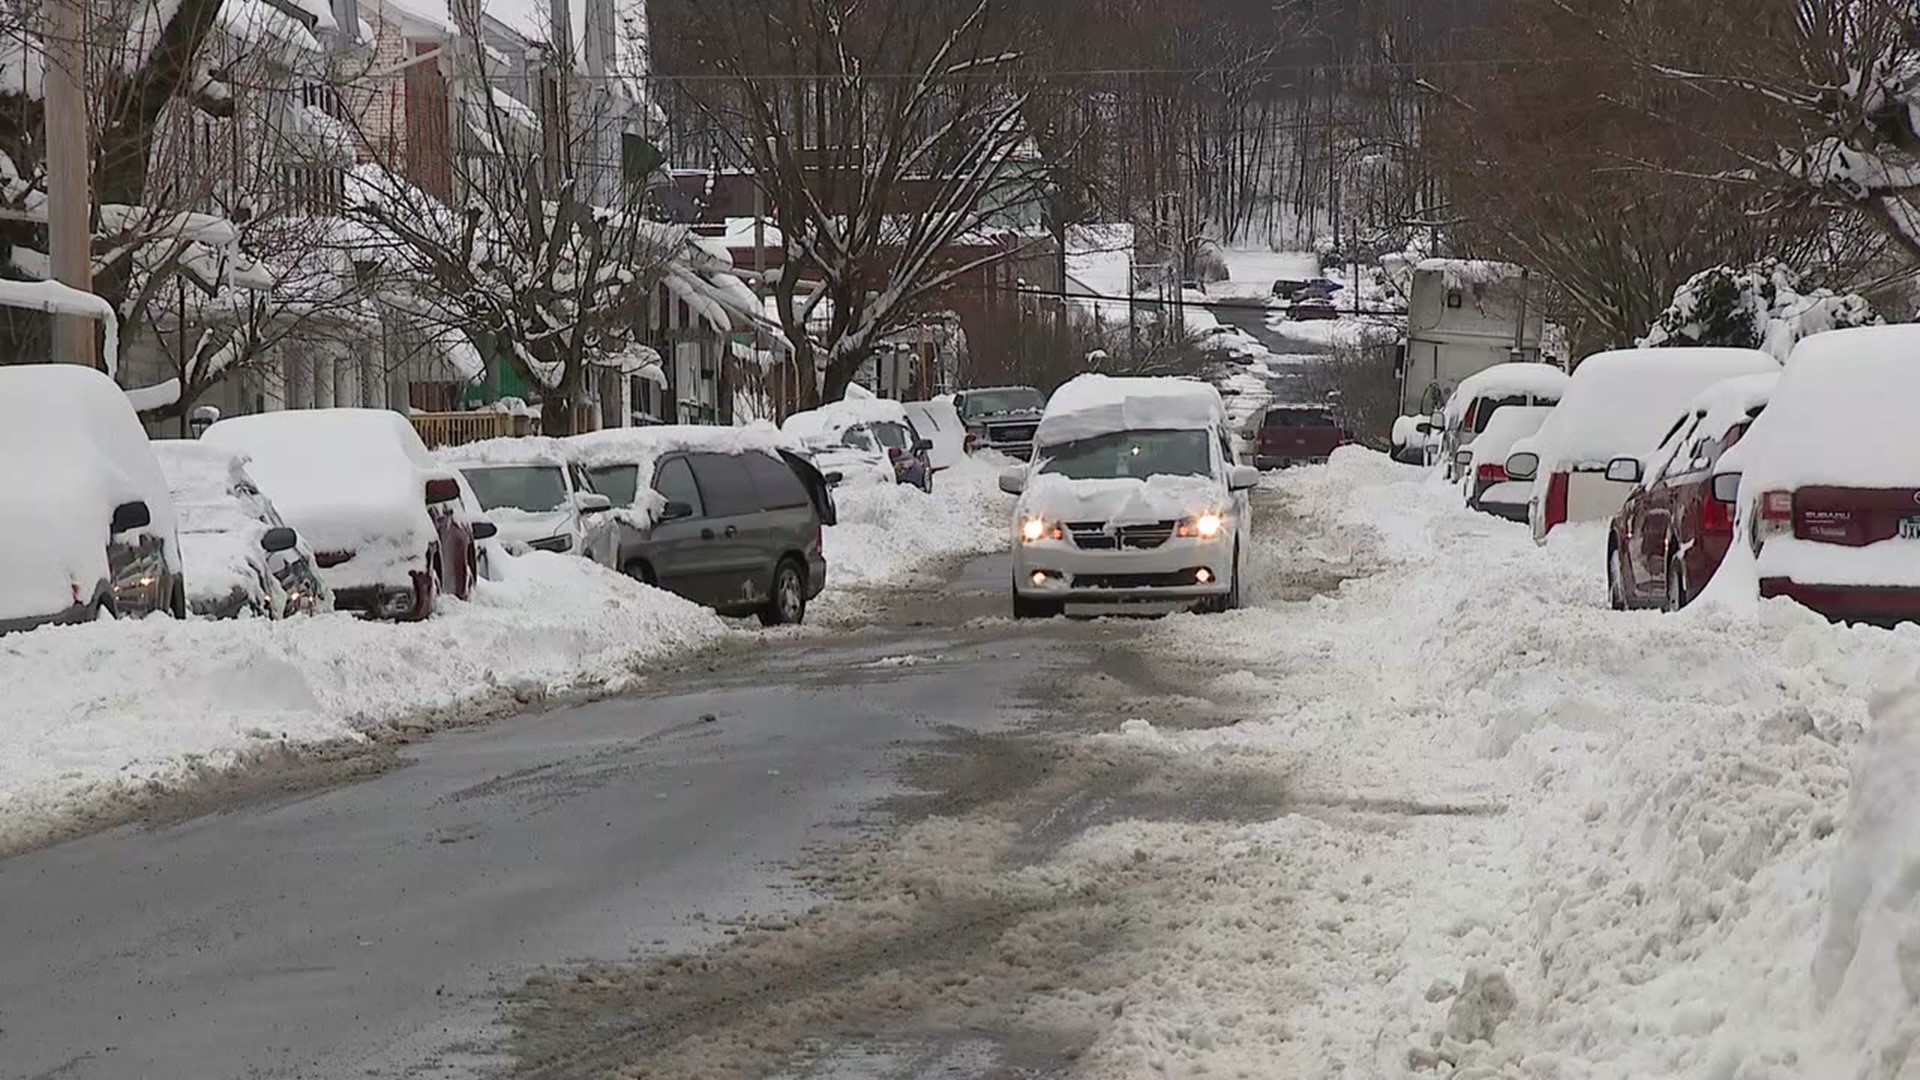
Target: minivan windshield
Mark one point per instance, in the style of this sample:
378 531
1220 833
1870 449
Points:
989 402
534 488
1131 454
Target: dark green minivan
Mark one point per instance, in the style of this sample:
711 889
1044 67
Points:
726 517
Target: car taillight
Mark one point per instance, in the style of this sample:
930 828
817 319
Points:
971 441
894 454
1491 472
1776 515
1556 508
1716 516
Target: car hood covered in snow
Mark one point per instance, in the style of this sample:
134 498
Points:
1123 501
75 454
525 526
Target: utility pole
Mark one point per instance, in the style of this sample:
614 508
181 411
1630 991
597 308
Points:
69 179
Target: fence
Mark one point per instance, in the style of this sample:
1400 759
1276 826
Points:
439 429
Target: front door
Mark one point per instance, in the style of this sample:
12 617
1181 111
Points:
737 571
675 549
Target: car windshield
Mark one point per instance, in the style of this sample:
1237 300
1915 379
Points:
1131 454
534 488
989 402
619 483
892 436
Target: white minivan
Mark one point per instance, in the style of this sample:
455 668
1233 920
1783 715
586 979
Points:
1134 494
1618 405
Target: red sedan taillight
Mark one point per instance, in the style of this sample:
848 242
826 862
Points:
1555 511
1776 515
1716 517
1491 472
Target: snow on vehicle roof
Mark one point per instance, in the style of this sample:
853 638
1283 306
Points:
345 478
1508 426
512 450
1091 405
85 454
644 445
1730 401
1622 402
1842 414
199 473
858 407
1469 272
1505 380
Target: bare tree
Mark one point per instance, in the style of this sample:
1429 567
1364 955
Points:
889 139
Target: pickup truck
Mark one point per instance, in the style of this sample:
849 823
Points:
1001 418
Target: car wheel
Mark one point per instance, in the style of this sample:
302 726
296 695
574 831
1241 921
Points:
787 605
428 591
177 600
639 571
1616 580
1677 597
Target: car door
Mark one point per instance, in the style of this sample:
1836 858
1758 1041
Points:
1653 521
789 519
674 549
734 533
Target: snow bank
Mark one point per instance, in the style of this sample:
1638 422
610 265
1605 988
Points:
1526 837
887 531
98 715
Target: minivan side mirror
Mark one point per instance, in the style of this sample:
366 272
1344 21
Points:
129 516
279 538
485 530
1523 465
1463 458
1423 428
833 478
442 490
675 510
1014 480
1726 487
1243 478
592 502
1625 470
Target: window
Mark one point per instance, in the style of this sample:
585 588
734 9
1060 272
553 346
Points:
1669 450
323 98
724 481
674 481
774 482
1298 418
581 482
620 483
893 436
857 438
313 189
1132 454
536 489
1484 408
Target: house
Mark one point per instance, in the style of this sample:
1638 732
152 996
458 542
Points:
1464 315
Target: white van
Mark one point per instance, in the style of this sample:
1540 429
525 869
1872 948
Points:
1134 494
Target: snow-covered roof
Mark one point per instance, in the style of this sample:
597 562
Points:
643 446
1092 405
859 407
1466 273
72 451
1506 380
1505 428
1842 413
1621 403
522 450
1732 401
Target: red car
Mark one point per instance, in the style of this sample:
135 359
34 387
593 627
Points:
1828 479
1672 532
1295 435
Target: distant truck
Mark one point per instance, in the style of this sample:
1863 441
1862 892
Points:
1464 316
1001 418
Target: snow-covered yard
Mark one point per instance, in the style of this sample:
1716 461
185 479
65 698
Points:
1527 837
98 716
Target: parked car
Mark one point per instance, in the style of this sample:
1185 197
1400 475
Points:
1134 495
1480 396
240 556
538 496
938 422
727 517
385 520
1000 418
86 525
1672 533
869 436
1618 404
1414 438
1297 434
1482 465
1827 481
1313 302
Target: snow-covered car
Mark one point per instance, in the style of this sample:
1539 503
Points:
240 556
1482 465
1482 395
1231 342
866 439
1618 404
1827 481
1134 494
385 520
1000 418
1671 534
86 525
727 517
1414 438
538 496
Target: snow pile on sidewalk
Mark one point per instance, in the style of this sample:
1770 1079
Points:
888 531
1528 837
96 716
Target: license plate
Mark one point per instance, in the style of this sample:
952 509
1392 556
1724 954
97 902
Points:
1910 528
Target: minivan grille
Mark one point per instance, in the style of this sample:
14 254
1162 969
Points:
1093 535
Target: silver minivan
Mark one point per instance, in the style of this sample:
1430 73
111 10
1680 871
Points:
714 516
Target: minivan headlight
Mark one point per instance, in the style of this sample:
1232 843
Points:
1206 526
1034 530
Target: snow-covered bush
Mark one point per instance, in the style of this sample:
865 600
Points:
1759 306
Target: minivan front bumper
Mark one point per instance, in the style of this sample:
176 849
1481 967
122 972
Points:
1056 570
